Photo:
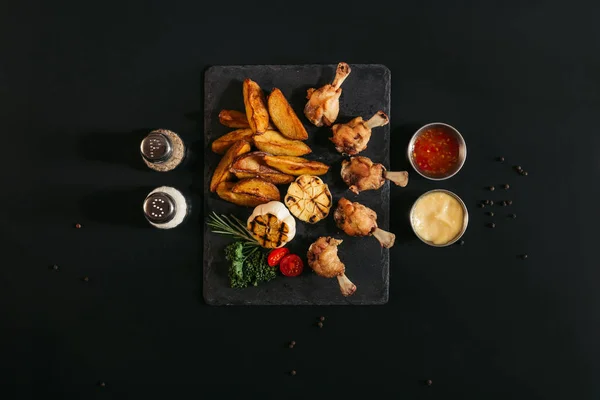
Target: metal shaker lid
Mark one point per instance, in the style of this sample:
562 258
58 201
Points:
156 147
159 208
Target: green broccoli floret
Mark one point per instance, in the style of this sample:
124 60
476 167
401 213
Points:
248 265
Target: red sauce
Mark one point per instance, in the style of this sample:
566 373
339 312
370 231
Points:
435 152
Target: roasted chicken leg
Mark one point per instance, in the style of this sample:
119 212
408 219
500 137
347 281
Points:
358 220
323 259
352 138
323 104
360 174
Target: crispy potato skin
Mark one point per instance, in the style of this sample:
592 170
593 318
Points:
252 165
284 117
296 165
275 143
224 191
256 107
222 173
258 188
233 119
222 144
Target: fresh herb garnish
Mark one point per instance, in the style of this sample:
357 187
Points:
233 227
248 265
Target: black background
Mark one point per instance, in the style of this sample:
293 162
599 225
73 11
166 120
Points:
77 82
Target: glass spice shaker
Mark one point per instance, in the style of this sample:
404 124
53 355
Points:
163 150
166 207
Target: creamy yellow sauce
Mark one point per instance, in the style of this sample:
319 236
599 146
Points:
438 218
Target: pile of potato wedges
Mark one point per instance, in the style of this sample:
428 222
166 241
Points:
270 126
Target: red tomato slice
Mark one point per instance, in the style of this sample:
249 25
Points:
291 265
276 255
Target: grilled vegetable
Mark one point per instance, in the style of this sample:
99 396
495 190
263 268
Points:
258 188
296 165
224 191
284 117
308 199
252 165
256 106
275 143
272 225
233 119
222 173
222 144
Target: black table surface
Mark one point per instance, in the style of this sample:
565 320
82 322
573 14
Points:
80 82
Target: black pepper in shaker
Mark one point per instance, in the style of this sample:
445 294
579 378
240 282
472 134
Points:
162 150
165 207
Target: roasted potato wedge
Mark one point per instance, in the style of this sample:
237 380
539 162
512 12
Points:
296 165
223 143
275 143
233 119
258 188
252 165
256 107
222 173
224 191
284 117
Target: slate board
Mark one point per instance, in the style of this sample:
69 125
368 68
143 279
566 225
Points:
365 91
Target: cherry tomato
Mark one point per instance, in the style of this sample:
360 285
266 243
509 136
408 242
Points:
276 255
291 265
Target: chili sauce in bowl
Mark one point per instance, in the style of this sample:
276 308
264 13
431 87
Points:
437 151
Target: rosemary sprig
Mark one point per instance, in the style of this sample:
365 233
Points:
233 227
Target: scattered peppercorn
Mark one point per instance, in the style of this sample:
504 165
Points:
488 202
77 226
501 159
518 168
293 372
491 213
524 173
504 203
55 267
481 205
491 202
492 225
513 216
321 318
429 382
506 186
102 384
86 279
492 188
462 242
320 324
291 346
509 202
524 256
293 342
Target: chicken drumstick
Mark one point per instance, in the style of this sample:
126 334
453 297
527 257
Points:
360 173
358 220
323 104
352 138
323 259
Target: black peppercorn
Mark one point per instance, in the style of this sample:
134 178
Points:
86 279
525 173
492 225
293 372
481 205
55 267
488 202
462 242
509 202
291 346
501 159
321 319
102 384
77 226
293 342
429 382
506 186
492 188
524 256
320 324
491 202
491 213
518 168
504 203
513 216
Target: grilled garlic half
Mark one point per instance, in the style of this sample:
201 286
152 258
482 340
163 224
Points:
272 224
